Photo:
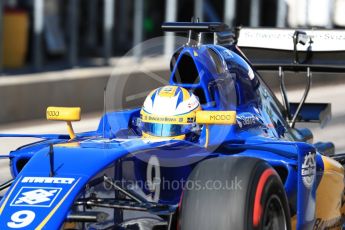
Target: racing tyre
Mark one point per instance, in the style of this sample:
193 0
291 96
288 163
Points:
236 193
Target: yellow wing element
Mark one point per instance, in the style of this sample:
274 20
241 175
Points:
67 114
215 118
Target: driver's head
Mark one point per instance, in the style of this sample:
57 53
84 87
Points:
169 112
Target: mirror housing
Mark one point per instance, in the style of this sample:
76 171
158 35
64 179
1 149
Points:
67 114
63 113
216 117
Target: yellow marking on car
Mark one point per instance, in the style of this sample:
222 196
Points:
8 196
329 194
63 113
67 114
216 117
44 222
293 222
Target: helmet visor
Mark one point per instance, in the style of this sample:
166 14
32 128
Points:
165 130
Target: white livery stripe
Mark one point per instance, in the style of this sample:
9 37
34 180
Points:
48 180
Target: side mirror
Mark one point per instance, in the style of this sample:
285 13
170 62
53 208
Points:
215 118
67 114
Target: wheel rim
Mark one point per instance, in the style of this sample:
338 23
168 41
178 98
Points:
274 215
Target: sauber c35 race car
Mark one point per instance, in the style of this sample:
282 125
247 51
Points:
236 161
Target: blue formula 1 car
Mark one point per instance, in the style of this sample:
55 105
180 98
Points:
212 150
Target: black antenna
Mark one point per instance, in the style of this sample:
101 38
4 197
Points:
51 160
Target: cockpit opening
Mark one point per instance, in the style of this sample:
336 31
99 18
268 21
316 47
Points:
186 72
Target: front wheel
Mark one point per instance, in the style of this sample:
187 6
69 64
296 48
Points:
234 193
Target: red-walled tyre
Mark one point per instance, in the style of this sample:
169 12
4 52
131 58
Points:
234 193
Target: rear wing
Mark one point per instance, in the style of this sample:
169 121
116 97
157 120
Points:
307 51
321 50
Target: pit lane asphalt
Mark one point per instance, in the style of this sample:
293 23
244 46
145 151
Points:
334 131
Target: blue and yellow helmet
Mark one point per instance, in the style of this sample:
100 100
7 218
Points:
168 112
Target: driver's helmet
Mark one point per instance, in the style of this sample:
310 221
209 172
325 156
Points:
169 112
